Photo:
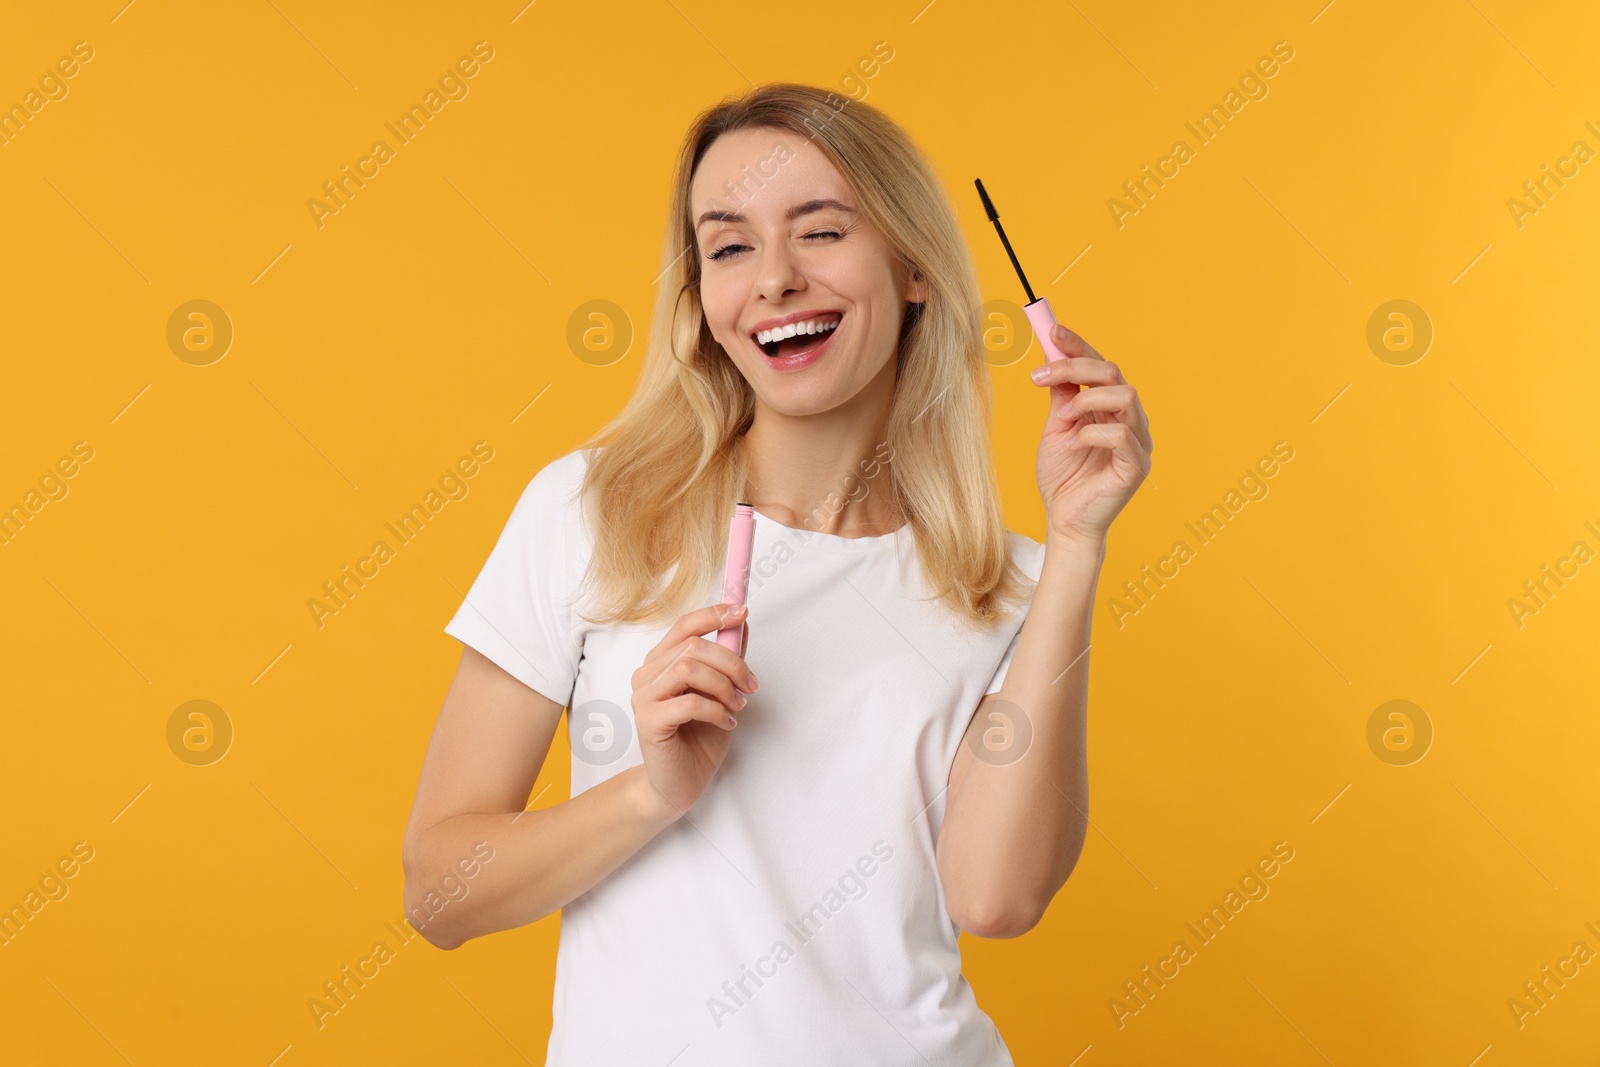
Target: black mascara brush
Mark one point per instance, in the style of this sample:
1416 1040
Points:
1038 308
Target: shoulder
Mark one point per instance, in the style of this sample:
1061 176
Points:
553 489
564 473
549 511
1026 553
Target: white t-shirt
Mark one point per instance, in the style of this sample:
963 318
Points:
794 915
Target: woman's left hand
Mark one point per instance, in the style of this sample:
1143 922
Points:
1095 448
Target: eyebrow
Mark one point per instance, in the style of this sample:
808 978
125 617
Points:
793 213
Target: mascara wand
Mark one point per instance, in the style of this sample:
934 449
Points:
1037 308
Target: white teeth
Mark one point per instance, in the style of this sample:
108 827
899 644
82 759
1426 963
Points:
809 326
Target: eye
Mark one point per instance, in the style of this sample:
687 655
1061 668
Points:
728 250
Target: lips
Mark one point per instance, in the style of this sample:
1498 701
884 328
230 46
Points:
801 351
822 321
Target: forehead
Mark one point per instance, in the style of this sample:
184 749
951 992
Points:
761 172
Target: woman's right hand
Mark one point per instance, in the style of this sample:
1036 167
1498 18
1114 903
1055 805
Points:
685 697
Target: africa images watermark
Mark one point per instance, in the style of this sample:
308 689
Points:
1140 191
52 487
789 546
53 87
1539 992
1538 592
1252 486
54 885
853 82
855 86
850 886
1252 887
1541 190
452 85
339 991
341 590
453 887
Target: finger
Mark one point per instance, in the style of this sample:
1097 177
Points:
1118 400
685 673
1116 438
744 645
696 623
1121 402
695 652
694 707
1071 344
1078 372
730 663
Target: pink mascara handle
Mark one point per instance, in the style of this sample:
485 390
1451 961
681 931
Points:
736 573
1040 315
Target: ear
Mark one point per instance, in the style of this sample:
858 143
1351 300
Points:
917 289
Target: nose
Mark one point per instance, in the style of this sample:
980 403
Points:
779 272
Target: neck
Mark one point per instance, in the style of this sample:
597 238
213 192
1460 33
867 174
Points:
827 473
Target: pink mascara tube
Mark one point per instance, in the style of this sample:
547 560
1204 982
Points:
736 573
1038 308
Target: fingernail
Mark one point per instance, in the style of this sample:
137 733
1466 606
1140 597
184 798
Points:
752 683
1039 374
1059 330
732 721
742 700
736 610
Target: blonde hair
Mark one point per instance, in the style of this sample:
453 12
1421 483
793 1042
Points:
670 466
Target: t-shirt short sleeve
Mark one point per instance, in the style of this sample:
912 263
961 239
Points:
519 612
1030 557
1005 665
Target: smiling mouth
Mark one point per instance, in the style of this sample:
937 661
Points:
799 344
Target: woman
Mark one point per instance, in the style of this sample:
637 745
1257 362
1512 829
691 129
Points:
777 870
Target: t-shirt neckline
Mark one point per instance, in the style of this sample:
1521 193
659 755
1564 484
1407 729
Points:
818 539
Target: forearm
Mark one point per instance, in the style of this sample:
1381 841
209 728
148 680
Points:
542 859
1015 829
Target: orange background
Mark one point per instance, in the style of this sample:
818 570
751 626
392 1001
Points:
432 312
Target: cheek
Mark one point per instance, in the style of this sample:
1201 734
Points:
721 310
868 284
